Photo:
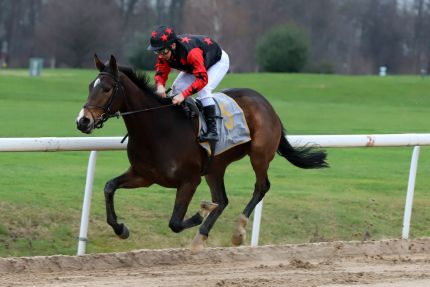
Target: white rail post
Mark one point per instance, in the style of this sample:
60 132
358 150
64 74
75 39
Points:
85 217
256 224
410 193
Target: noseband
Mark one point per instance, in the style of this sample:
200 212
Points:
107 107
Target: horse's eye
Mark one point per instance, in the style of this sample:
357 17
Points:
105 90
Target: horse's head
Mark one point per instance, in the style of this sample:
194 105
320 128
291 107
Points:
104 99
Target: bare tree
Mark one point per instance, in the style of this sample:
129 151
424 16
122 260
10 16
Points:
72 31
128 8
420 17
169 12
352 36
383 47
237 25
17 21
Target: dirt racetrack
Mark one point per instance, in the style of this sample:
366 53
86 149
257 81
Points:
390 263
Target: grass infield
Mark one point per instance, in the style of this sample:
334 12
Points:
361 196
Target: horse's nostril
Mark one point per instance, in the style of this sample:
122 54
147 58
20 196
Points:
84 121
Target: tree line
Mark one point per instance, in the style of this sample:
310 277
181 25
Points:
344 36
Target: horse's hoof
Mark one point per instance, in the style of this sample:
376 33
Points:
198 243
124 233
239 234
238 237
206 207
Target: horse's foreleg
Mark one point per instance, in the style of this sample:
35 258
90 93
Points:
184 194
127 180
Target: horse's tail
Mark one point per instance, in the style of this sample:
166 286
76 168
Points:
304 157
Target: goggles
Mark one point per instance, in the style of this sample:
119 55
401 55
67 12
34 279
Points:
163 52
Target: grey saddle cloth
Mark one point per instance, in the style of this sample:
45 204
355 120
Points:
231 124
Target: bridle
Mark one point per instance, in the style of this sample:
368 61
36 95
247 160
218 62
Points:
98 123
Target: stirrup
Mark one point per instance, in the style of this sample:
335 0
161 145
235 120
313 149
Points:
206 138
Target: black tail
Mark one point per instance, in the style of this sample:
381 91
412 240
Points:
304 157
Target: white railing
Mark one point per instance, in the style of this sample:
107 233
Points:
95 144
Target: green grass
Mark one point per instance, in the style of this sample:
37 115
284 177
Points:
362 193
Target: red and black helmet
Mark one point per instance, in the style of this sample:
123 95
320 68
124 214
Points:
161 38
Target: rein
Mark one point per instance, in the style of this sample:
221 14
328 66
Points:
119 114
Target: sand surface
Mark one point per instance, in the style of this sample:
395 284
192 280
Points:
391 263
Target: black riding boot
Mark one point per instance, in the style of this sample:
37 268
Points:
209 115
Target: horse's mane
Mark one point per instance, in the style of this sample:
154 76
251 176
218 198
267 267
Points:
140 79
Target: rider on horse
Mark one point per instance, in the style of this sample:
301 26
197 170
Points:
203 64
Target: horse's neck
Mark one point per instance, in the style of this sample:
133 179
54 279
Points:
144 124
135 99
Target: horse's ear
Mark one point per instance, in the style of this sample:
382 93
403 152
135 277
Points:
113 65
99 65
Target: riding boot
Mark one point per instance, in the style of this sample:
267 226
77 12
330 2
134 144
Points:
209 115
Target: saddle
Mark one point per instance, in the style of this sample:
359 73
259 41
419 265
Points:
231 124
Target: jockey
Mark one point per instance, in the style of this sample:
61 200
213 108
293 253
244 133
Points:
203 64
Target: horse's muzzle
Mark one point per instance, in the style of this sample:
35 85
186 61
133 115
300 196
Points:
84 125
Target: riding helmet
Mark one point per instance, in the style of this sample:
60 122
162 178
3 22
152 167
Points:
161 38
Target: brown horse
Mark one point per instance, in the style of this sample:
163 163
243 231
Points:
163 148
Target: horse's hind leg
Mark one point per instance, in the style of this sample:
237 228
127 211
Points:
262 185
127 180
215 181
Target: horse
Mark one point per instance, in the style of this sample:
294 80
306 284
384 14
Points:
163 148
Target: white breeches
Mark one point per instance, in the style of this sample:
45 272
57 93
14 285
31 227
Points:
215 74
